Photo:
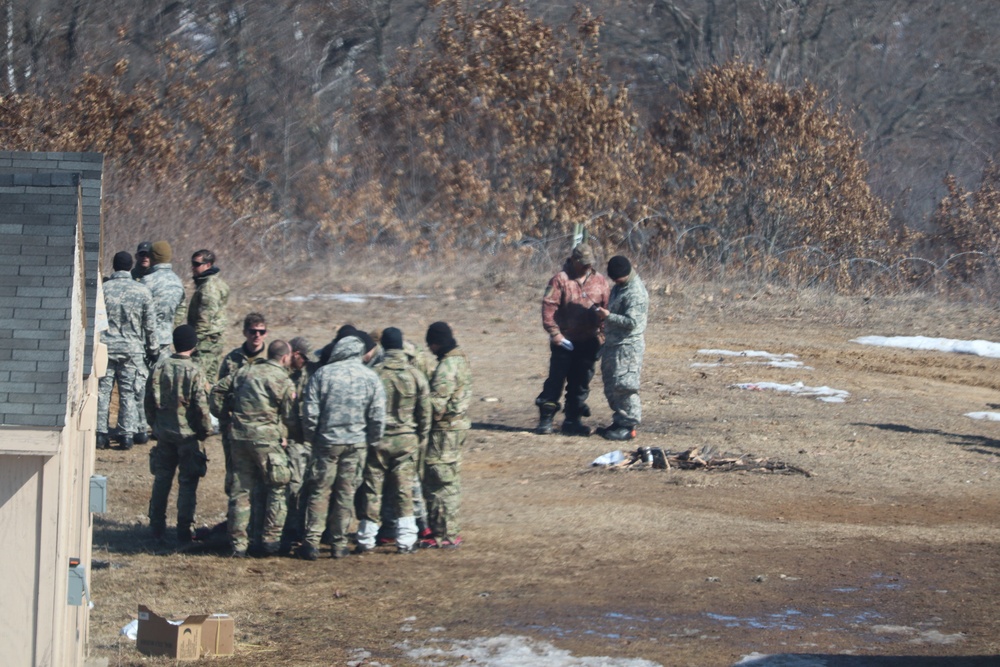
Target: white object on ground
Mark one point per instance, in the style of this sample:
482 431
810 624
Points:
132 629
787 360
609 459
988 416
825 394
979 348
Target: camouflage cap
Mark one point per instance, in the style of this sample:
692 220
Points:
583 254
301 345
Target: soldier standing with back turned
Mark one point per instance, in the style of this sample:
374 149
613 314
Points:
262 406
177 407
130 337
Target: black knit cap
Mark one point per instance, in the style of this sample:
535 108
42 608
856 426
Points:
392 339
144 247
439 333
185 338
618 267
122 261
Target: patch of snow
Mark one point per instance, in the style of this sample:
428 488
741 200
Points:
825 394
787 360
351 297
979 348
763 660
988 416
935 637
510 651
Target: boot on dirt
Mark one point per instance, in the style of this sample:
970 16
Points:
619 433
140 438
546 413
575 427
103 441
126 442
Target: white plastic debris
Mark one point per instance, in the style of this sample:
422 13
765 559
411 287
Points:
609 459
132 629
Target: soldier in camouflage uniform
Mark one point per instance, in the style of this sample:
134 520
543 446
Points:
343 411
420 359
407 423
177 407
142 260
303 365
169 309
451 394
253 348
621 360
130 336
207 313
262 404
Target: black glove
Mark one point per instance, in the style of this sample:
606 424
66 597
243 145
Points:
152 357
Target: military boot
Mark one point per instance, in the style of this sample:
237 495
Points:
126 442
140 437
103 441
546 413
575 427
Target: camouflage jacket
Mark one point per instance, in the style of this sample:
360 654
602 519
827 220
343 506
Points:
567 302
300 378
419 358
176 403
130 316
407 396
239 358
168 300
344 403
451 392
261 403
629 308
207 310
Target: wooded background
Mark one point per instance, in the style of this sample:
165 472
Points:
837 141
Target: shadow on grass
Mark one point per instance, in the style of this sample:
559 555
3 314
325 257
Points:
129 539
485 426
977 443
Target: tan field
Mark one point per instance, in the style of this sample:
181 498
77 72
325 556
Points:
890 548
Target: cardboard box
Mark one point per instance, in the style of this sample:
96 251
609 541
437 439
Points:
185 639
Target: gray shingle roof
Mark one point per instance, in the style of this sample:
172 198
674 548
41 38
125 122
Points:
39 196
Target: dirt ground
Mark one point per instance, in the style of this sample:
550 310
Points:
889 549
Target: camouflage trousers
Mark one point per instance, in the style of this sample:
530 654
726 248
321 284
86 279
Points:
620 368
393 459
442 487
332 479
186 457
141 376
260 476
298 463
122 368
208 356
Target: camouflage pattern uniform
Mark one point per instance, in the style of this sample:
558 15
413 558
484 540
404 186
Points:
130 336
407 423
451 394
621 361
207 314
235 360
343 410
177 408
299 451
169 311
423 361
262 405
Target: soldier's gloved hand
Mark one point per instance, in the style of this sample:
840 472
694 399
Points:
152 356
565 343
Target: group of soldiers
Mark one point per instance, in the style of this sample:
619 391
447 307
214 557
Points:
310 440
